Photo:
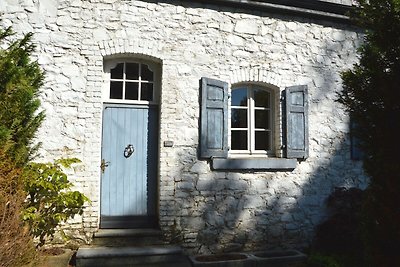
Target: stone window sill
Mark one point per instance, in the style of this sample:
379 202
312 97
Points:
269 164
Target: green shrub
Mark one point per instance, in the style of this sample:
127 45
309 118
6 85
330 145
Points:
20 80
50 198
371 95
321 260
341 233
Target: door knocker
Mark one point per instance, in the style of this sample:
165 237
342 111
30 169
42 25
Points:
128 151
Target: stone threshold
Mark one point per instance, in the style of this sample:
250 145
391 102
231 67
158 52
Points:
109 233
107 252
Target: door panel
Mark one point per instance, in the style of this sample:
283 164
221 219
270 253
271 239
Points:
129 184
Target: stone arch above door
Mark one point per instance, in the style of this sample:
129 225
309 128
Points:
139 48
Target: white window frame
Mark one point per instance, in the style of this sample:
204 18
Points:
112 63
251 121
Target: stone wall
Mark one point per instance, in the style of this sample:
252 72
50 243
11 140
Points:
207 210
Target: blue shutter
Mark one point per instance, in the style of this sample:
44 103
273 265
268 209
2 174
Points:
214 118
296 122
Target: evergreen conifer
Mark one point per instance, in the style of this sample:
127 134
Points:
372 96
20 80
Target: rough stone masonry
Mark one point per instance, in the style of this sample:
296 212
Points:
205 210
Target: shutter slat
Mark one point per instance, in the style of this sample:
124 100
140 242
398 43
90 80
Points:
296 122
214 118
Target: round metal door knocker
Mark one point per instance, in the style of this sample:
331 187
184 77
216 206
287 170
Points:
128 151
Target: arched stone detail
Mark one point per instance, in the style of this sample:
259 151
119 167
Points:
255 75
149 50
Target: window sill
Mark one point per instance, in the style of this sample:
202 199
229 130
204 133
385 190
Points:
269 164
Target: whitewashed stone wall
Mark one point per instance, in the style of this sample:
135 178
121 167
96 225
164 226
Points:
207 210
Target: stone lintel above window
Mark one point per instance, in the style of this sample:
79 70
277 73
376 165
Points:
270 164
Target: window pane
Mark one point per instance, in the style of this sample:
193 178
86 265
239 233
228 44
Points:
132 71
239 97
239 118
131 91
117 72
239 140
147 74
262 119
115 90
146 91
261 98
263 140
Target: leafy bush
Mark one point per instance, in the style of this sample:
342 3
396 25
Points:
320 260
50 198
15 241
341 234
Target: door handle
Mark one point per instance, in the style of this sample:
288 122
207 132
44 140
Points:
104 164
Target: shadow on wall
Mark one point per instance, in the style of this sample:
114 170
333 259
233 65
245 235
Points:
259 210
231 211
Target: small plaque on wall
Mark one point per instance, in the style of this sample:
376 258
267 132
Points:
168 143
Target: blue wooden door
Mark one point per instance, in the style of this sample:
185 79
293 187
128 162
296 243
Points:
129 166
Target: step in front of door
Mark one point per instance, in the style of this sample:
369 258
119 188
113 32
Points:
128 222
131 256
127 237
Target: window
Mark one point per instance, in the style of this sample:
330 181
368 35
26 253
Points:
131 81
251 120
252 126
